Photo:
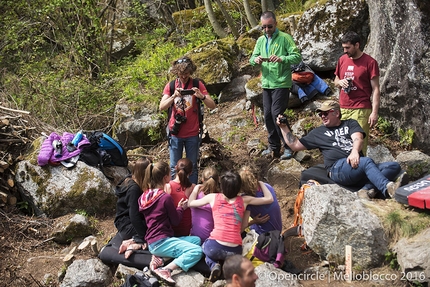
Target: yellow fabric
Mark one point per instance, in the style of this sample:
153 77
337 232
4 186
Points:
362 117
255 262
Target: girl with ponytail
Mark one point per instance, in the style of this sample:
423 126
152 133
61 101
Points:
160 215
181 188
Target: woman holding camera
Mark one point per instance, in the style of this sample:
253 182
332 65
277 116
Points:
182 103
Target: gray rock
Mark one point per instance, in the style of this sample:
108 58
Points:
56 191
413 256
416 163
87 273
334 217
320 28
70 227
379 154
235 89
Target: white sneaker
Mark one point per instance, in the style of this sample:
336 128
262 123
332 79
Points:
391 188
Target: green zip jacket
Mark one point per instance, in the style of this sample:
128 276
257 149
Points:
276 75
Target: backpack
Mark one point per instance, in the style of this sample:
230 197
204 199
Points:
199 105
298 220
103 151
270 248
140 280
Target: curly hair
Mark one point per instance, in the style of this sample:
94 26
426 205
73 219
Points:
183 65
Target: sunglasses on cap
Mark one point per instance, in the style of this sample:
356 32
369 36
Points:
183 60
267 26
321 114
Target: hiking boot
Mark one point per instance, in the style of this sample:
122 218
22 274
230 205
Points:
392 187
165 275
215 273
268 152
155 263
287 154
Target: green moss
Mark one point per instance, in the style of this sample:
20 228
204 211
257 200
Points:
254 84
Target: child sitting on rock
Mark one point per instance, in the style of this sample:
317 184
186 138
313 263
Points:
160 215
228 209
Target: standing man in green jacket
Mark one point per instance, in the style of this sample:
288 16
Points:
275 51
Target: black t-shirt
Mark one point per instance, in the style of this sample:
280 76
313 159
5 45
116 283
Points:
334 142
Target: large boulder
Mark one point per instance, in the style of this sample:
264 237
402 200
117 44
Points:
57 190
399 40
320 28
334 217
413 256
87 273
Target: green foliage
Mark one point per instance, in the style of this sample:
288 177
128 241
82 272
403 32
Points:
292 6
81 212
391 258
384 126
406 137
23 206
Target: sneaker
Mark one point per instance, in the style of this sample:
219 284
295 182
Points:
392 187
362 193
165 275
371 193
156 262
287 154
266 152
366 194
215 273
403 179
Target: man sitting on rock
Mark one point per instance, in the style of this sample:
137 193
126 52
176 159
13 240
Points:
340 142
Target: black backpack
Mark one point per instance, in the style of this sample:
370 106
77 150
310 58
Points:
200 106
103 151
140 280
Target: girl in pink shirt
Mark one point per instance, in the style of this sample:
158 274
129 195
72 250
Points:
228 213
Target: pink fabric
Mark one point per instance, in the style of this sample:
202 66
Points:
178 193
46 154
227 219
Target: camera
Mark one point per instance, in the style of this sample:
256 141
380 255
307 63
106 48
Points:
179 119
186 92
283 119
348 89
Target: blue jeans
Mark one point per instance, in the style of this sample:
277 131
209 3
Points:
275 102
186 250
369 173
176 148
216 252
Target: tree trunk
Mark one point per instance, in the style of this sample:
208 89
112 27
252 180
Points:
251 19
212 18
267 5
229 20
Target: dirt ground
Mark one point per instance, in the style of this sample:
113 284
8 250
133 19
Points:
28 254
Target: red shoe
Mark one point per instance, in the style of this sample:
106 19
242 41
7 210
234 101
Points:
155 263
165 275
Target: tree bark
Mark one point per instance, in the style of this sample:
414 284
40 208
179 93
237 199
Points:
267 5
212 18
248 11
229 20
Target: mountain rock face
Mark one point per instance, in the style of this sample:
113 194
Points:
396 33
399 40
